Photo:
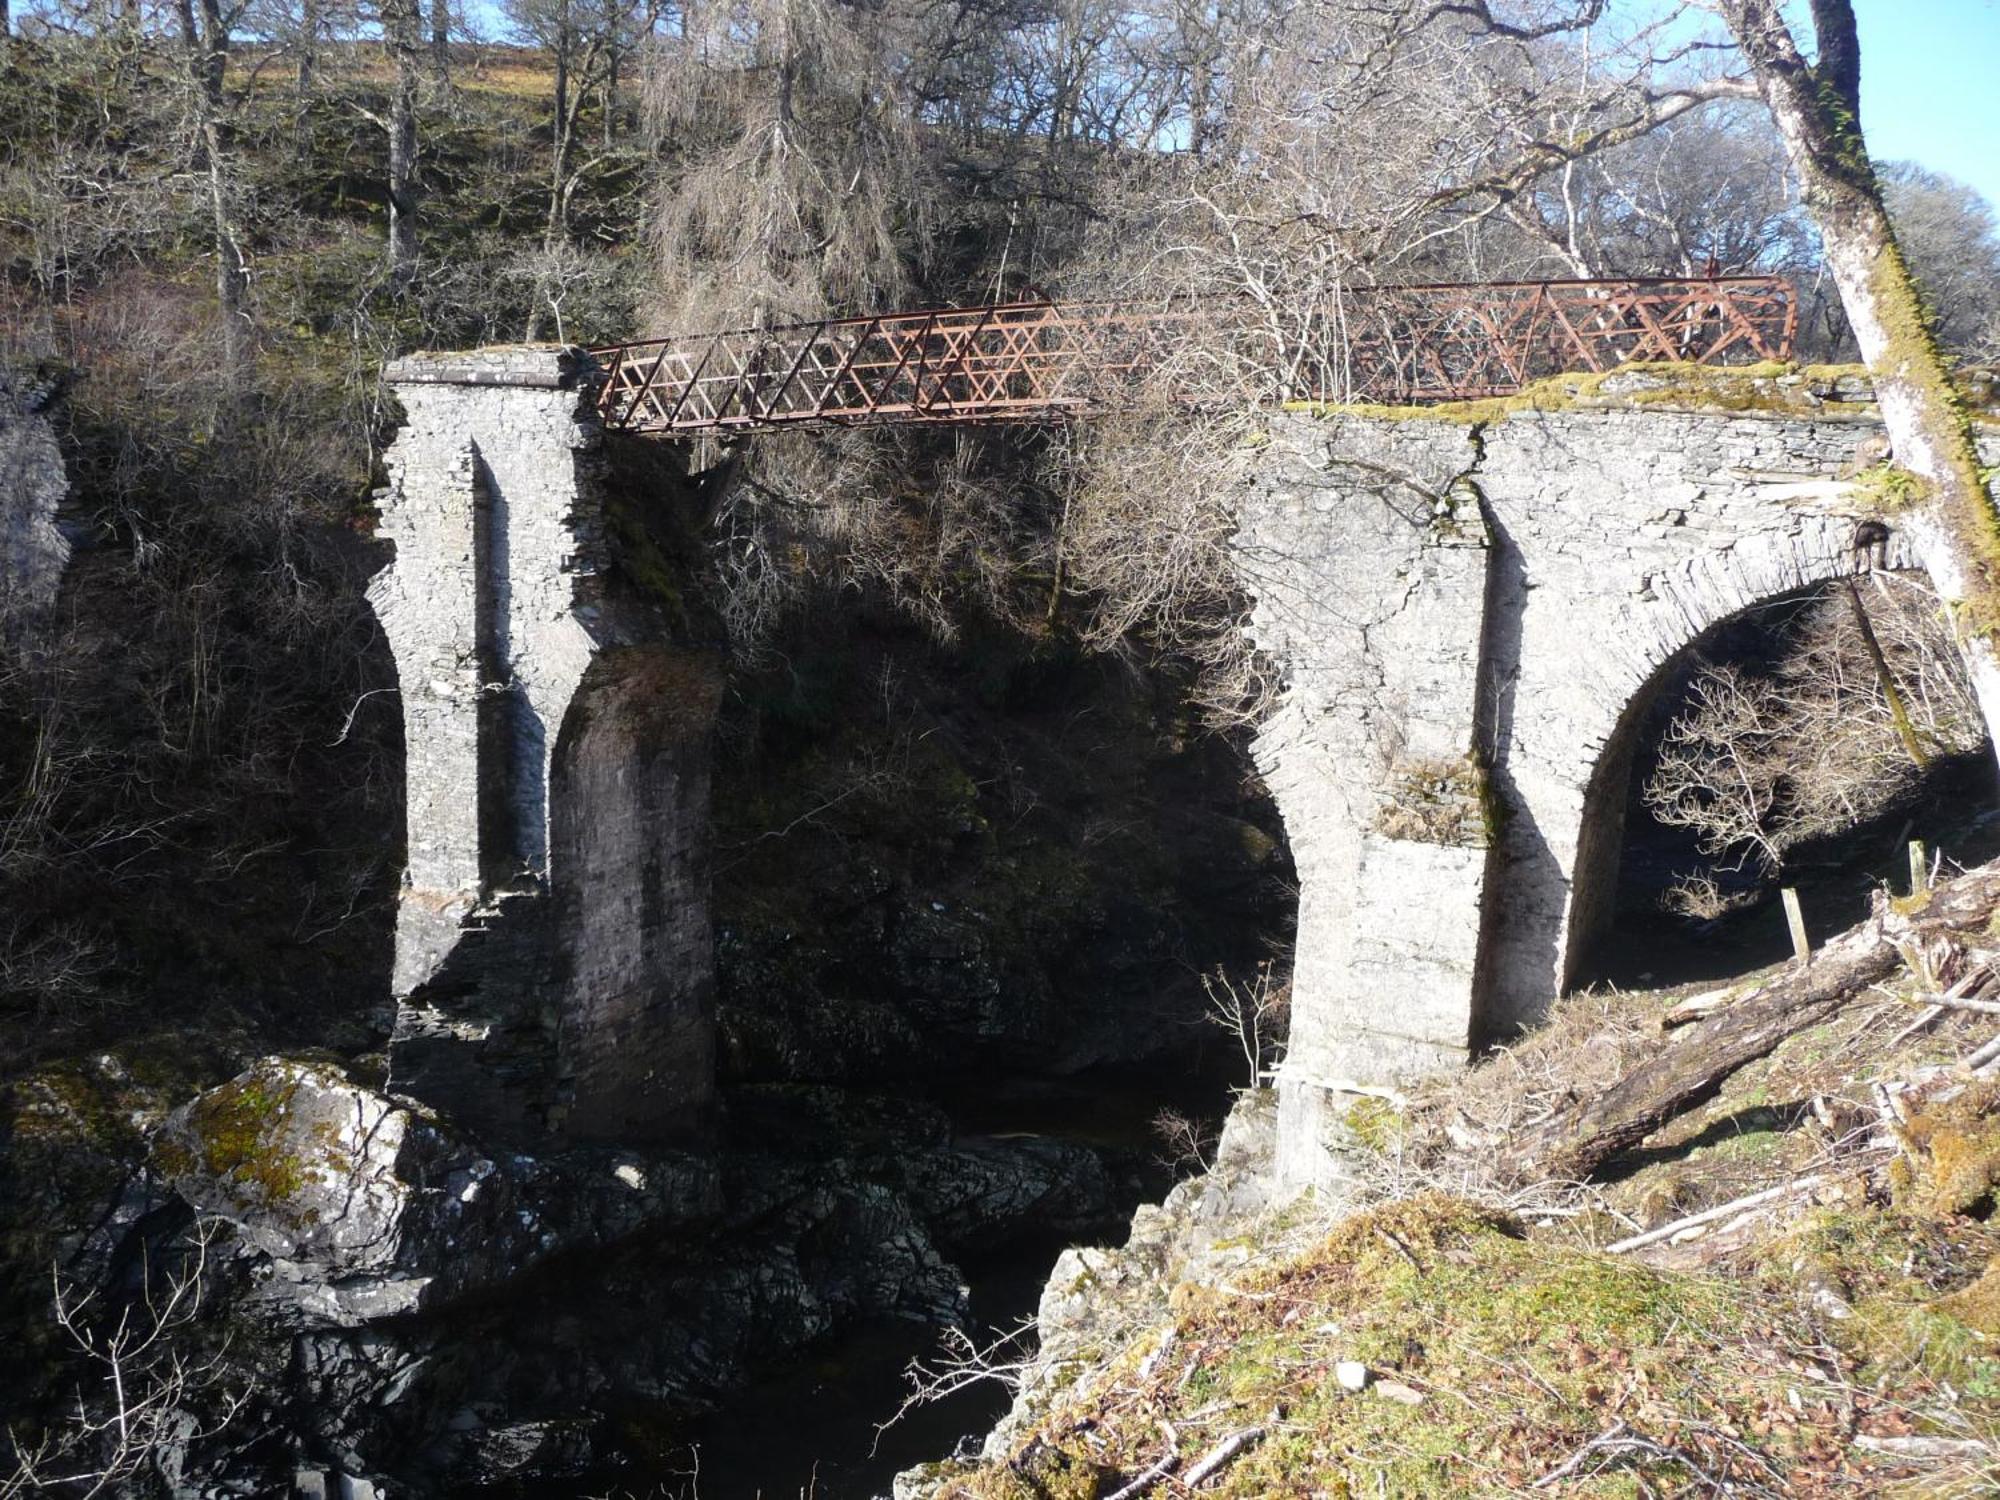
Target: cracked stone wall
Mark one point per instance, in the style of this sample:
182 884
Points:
557 770
1470 619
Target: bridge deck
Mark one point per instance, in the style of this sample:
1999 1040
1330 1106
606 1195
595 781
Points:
1049 361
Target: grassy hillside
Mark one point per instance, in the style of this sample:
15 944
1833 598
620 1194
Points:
1473 1331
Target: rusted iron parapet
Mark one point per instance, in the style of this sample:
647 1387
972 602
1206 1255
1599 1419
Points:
1047 361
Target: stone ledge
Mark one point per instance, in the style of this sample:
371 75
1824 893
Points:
535 366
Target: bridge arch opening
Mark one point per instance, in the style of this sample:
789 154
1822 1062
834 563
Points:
1765 754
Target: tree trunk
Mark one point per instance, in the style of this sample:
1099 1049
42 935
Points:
559 128
1578 1140
402 25
1817 108
309 29
206 42
441 36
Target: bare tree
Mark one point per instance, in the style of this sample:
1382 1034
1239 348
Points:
150 1392
206 27
793 189
402 32
1950 237
586 42
1758 764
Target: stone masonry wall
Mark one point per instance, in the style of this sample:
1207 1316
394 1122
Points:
1493 597
541 961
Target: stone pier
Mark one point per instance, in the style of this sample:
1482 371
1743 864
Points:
1472 618
554 969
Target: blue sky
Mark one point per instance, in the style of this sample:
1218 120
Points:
1930 86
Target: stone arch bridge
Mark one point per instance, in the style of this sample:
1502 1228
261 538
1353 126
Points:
1470 608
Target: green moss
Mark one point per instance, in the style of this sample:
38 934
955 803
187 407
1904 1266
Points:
1922 1312
1911 357
1951 1160
1375 1123
1887 488
1754 387
237 1134
1910 905
64 1104
1449 1300
639 555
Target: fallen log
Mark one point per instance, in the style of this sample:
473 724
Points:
1221 1455
1710 1215
1576 1141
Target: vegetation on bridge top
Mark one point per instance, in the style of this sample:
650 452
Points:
1765 388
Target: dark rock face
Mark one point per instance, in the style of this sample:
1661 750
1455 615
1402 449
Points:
397 1304
994 858
33 487
362 1207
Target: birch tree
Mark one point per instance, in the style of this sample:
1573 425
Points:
1817 106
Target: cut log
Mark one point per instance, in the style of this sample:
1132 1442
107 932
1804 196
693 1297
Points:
1576 1141
1697 1008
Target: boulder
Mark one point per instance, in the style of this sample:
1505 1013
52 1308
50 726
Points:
364 1205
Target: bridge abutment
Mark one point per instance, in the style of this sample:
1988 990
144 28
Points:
553 966
1471 618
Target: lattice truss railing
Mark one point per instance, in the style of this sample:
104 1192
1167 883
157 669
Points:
1048 361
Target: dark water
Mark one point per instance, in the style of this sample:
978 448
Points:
812 1427
813 1430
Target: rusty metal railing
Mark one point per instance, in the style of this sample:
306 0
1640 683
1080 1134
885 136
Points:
1049 361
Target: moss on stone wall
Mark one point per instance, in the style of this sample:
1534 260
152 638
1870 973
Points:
1766 387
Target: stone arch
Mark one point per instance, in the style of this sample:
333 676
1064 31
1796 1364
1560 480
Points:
629 836
1569 787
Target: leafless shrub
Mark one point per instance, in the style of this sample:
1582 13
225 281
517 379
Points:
1696 897
151 1392
1185 1140
1759 764
962 1362
1256 1011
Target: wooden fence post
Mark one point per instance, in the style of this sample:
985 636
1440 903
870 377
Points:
1795 918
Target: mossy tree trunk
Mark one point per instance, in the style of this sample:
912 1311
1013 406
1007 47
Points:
1818 111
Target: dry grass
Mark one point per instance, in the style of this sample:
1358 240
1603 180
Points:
1839 1340
1502 1366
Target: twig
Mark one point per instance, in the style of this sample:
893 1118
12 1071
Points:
1923 1447
1150 1477
1394 1242
1221 1455
1984 1007
1617 1440
1926 1017
1708 1215
1571 1464
1984 1056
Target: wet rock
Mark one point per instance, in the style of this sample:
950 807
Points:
365 1206
984 1192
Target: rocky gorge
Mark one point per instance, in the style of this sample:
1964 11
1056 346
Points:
958 972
